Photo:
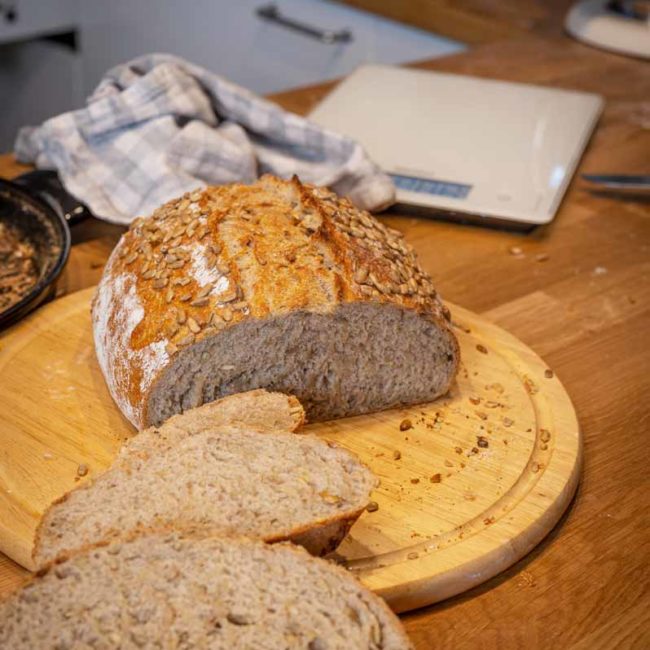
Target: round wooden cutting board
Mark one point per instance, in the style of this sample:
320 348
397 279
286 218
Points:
469 483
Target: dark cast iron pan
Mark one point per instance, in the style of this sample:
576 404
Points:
41 209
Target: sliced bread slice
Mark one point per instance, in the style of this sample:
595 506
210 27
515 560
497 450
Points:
274 486
184 591
256 410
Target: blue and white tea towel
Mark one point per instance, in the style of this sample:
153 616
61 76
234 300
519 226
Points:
158 126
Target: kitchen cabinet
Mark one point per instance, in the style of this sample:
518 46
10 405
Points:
23 19
232 39
40 79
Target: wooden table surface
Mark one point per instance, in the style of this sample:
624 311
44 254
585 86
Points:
579 294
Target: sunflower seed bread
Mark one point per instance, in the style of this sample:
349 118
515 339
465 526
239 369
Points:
187 591
273 285
191 474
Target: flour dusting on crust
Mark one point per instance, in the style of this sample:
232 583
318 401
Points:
201 272
117 311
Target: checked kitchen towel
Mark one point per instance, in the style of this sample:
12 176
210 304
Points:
159 126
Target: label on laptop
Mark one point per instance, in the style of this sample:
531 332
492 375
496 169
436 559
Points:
431 186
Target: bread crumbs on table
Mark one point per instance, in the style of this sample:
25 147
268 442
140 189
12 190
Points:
436 478
482 442
397 454
373 506
458 450
415 481
481 348
82 470
405 425
548 373
413 555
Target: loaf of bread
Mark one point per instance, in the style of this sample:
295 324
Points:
182 591
276 285
201 470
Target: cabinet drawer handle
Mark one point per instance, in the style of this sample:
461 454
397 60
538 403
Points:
271 13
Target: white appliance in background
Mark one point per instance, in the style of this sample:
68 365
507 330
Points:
472 148
621 26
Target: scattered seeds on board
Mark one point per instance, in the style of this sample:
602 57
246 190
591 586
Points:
373 506
544 435
48 455
436 478
482 442
481 348
415 481
397 454
82 470
548 373
458 450
530 386
481 415
475 400
405 425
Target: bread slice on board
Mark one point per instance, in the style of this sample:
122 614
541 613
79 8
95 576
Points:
188 473
183 591
256 410
274 285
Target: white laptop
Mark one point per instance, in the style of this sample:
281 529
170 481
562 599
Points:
466 147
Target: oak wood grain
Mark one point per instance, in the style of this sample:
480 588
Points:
472 21
586 310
